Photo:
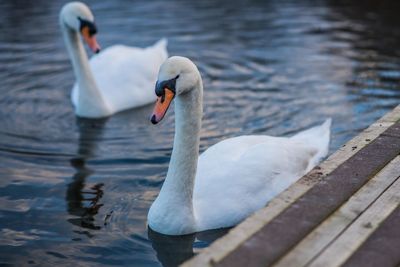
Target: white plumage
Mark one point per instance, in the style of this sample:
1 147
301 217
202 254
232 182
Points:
238 176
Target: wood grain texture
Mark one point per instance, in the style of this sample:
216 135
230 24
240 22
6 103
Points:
332 227
382 248
351 239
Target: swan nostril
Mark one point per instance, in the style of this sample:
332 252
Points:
153 119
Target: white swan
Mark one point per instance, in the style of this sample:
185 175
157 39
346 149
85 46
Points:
232 178
104 85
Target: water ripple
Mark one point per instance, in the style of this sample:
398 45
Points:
76 190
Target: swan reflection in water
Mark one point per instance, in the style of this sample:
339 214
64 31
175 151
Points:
174 250
84 203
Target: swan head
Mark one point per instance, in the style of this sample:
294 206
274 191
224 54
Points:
78 17
177 76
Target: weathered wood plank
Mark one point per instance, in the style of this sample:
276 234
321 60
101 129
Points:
382 248
331 228
351 239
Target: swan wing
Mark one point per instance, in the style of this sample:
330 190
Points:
240 175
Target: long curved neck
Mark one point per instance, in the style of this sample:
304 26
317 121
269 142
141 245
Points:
90 101
185 153
173 208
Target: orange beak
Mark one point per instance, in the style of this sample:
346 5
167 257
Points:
162 105
90 40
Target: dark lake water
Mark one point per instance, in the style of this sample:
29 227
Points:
76 191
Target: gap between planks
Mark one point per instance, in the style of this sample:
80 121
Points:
331 228
358 232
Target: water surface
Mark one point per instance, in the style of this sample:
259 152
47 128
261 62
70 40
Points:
76 191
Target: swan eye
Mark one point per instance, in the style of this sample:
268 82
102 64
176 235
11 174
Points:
167 84
90 26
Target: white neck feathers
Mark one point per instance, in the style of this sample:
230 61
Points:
90 101
172 212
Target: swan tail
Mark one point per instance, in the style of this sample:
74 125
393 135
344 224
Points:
317 137
161 45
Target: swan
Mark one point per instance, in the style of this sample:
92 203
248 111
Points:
104 84
232 178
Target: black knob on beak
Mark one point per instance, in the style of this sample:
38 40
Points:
159 88
169 84
153 119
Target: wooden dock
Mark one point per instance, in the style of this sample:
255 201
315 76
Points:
345 212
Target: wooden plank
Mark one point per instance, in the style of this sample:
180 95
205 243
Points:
331 228
382 248
351 239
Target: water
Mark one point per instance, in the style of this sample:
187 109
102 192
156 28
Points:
76 191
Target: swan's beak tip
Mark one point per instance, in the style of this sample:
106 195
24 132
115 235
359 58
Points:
153 119
97 51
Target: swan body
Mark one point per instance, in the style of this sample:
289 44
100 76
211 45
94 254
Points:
231 179
104 84
239 175
119 67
